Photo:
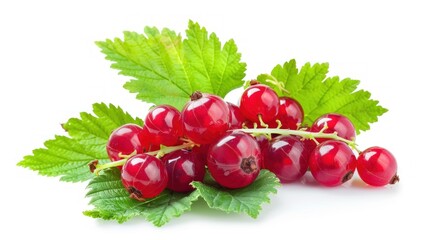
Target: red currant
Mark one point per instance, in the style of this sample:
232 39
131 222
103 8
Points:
286 157
183 167
290 114
309 146
262 141
335 123
163 126
202 151
332 163
205 118
235 160
377 167
124 140
236 118
144 176
260 100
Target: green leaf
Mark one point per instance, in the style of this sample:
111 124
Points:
68 157
166 69
112 202
245 200
319 94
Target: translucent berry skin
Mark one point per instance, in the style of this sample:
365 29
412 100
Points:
309 146
124 140
163 125
235 160
335 123
332 163
183 167
286 157
262 141
290 114
202 151
258 100
144 176
377 167
236 118
205 119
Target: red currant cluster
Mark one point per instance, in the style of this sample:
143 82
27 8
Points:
173 148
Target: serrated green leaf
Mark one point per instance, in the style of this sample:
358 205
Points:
245 200
319 95
213 69
166 69
68 157
112 201
63 157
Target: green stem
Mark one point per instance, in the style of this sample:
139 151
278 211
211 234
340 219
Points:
301 133
160 153
273 80
118 163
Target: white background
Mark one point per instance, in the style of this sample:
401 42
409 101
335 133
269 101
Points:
50 70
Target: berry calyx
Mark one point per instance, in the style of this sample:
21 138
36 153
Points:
183 167
377 167
205 118
259 102
332 163
144 176
334 123
235 160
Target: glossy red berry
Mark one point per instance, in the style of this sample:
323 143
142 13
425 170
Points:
290 114
235 160
183 167
258 100
332 163
262 141
309 146
124 140
377 167
163 126
205 118
202 151
286 157
144 176
236 118
335 123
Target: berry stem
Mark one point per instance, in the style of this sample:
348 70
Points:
263 124
301 133
273 80
160 153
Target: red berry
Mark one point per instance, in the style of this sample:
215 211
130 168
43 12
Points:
236 118
205 118
377 167
235 160
258 100
290 114
202 151
335 123
286 157
144 176
262 141
309 146
183 167
124 140
332 163
163 126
